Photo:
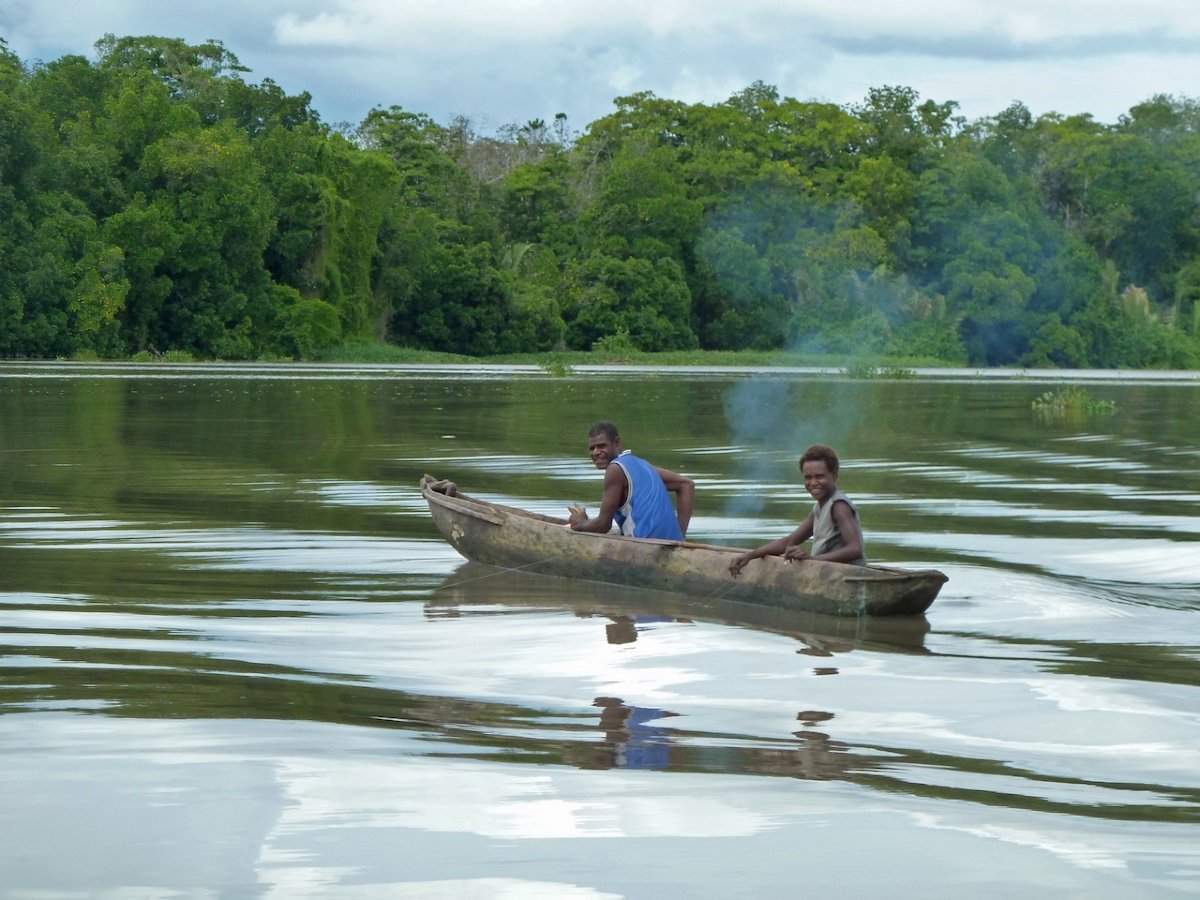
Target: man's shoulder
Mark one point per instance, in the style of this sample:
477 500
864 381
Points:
839 497
630 459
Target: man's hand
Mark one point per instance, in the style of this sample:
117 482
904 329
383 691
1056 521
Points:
576 515
795 552
738 564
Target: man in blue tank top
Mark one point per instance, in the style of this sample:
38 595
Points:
636 494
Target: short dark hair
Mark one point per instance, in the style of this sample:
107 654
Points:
820 453
608 429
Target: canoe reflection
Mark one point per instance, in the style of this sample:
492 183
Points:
643 737
630 610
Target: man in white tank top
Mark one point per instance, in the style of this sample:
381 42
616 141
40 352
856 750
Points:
832 524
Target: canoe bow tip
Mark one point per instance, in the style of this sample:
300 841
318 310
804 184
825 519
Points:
441 485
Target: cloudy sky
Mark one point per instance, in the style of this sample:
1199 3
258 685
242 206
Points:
506 61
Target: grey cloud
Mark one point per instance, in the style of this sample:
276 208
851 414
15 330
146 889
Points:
994 46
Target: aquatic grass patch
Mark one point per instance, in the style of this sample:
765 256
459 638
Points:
168 356
556 366
1072 400
866 370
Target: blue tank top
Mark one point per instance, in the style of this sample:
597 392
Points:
647 512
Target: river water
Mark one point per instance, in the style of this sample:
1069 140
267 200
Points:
237 660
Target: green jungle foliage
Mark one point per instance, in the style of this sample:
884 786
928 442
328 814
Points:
155 202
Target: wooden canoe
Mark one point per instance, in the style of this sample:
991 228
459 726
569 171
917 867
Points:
519 539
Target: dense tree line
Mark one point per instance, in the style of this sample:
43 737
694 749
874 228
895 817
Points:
153 199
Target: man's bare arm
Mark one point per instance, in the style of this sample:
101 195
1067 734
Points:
610 502
684 490
777 547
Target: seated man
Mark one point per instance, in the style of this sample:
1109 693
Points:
635 492
832 523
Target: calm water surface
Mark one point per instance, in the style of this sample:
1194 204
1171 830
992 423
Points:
238 661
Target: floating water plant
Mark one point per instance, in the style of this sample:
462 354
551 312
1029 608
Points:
1072 400
862 370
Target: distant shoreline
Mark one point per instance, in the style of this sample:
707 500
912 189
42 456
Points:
73 369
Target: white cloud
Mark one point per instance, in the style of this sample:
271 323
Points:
504 61
323 29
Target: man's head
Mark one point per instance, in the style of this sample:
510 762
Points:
819 452
819 466
604 444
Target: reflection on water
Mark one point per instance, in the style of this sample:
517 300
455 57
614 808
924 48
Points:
476 589
638 736
632 735
239 661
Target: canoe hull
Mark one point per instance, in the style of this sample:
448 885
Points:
518 539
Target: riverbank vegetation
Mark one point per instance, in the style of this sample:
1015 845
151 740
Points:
157 202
